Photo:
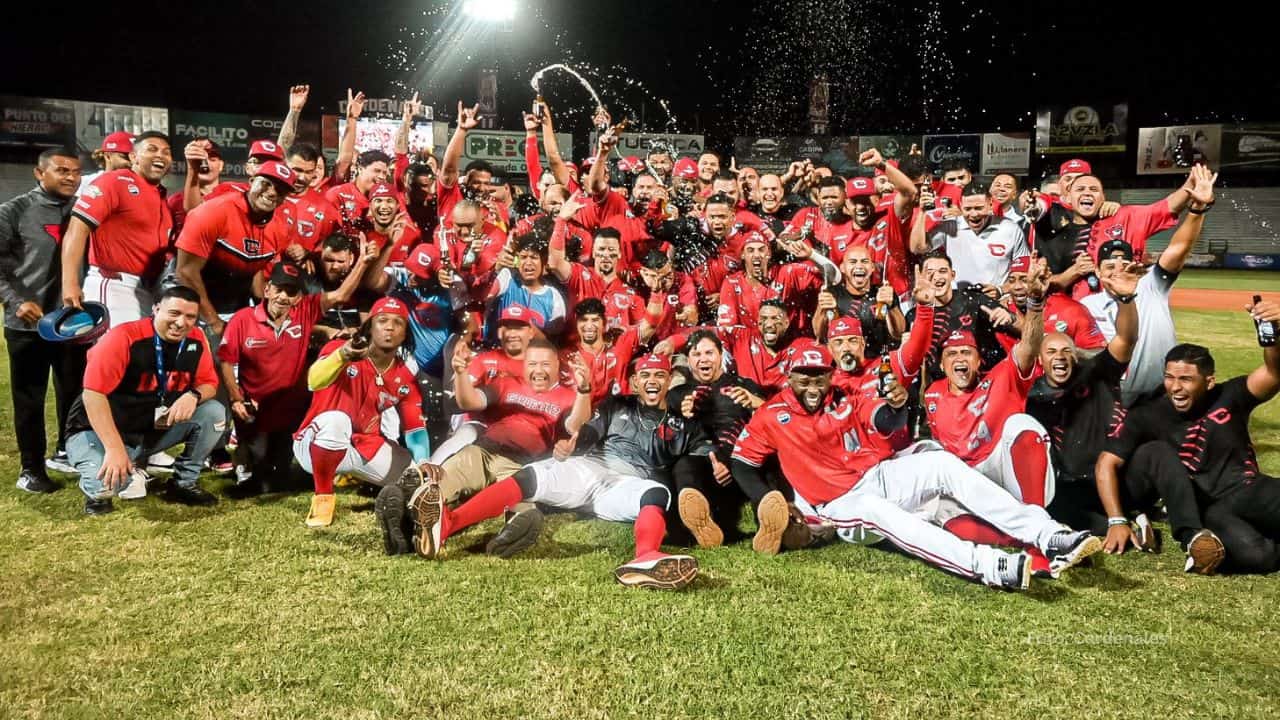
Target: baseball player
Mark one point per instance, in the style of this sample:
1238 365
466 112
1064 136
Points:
837 457
633 441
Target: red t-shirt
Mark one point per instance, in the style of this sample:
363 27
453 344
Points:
409 239
221 232
623 306
271 363
351 203
740 298
131 223
613 211
968 425
823 455
490 365
524 422
314 217
358 394
608 367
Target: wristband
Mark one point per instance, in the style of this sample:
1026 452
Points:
584 392
195 392
1201 211
1116 521
1125 299
1036 304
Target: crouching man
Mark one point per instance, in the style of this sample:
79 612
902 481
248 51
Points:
149 386
348 429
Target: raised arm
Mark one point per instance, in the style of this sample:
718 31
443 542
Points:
1264 382
289 128
341 294
1200 191
581 411
597 181
468 397
468 119
1027 349
1123 285
347 146
532 164
410 110
555 161
556 260
905 199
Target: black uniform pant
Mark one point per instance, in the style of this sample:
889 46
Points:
1247 520
695 472
31 360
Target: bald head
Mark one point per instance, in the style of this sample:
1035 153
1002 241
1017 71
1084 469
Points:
1058 358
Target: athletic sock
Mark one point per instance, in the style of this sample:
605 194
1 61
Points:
488 503
977 530
651 526
1030 465
324 466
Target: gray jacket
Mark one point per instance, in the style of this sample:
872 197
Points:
31 227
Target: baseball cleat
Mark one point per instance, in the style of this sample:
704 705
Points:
519 534
663 572
390 511
321 513
1013 571
772 517
1205 553
695 513
1146 537
410 479
1068 548
428 517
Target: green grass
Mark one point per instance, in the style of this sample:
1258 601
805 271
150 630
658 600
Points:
1264 281
237 611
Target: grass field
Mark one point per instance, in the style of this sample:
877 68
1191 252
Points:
1251 280
237 611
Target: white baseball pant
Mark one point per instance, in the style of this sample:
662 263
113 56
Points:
589 485
123 294
889 499
999 464
332 431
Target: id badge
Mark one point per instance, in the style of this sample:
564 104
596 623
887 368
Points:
161 421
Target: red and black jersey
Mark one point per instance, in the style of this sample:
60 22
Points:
968 424
1080 415
131 223
964 312
1212 439
235 248
314 218
122 366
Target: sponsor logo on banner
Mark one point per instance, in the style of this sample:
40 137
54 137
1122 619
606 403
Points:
1079 129
1173 150
939 149
639 144
504 149
1252 261
390 107
1251 147
36 122
1006 152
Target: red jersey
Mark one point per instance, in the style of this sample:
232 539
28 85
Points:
623 306
221 232
745 222
225 188
752 358
409 239
1067 316
177 205
968 424
613 211
524 422
314 218
351 203
272 363
608 367
824 454
131 223
740 298
480 275
886 239
490 365
362 394
1132 223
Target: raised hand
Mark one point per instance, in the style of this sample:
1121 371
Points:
1200 185
412 107
871 158
468 117
298 97
355 104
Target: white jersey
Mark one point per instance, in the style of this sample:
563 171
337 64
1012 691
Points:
1156 334
86 181
982 257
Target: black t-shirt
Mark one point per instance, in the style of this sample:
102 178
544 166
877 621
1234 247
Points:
777 219
1080 415
1062 247
964 313
1212 439
720 418
863 307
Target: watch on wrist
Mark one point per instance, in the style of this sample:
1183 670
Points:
1117 521
196 392
584 392
1125 299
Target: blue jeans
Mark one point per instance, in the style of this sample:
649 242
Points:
201 434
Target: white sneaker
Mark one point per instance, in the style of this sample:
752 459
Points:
161 462
243 474
60 463
137 488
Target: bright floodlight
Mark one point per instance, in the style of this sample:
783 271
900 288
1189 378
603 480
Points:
490 10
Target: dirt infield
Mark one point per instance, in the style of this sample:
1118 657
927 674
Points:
1193 299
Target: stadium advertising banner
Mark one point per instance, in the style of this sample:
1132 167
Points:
230 131
1006 152
892 147
95 121
638 144
504 149
1173 150
1253 261
773 154
1079 129
380 134
1249 147
938 149
36 122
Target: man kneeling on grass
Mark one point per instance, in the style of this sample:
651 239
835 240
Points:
632 442
149 386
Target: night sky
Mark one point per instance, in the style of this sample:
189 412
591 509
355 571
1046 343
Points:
724 68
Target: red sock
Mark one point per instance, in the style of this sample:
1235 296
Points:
1030 464
488 503
324 465
1039 563
650 526
976 530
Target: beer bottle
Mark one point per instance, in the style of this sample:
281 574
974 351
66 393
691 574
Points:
884 375
1267 329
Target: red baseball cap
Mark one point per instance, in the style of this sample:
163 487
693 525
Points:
1020 264
880 172
117 142
571 165
278 171
424 261
812 357
266 149
960 338
685 168
588 162
383 190
653 361
859 187
755 236
390 305
521 314
845 327
1075 166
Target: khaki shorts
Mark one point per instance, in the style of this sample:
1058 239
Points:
473 469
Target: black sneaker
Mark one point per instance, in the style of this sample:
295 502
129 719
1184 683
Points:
98 507
194 495
1068 548
390 510
518 535
60 463
36 483
250 488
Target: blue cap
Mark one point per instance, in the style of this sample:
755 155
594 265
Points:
75 325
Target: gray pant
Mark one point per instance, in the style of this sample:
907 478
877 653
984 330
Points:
200 434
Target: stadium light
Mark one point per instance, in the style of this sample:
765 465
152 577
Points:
496 11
